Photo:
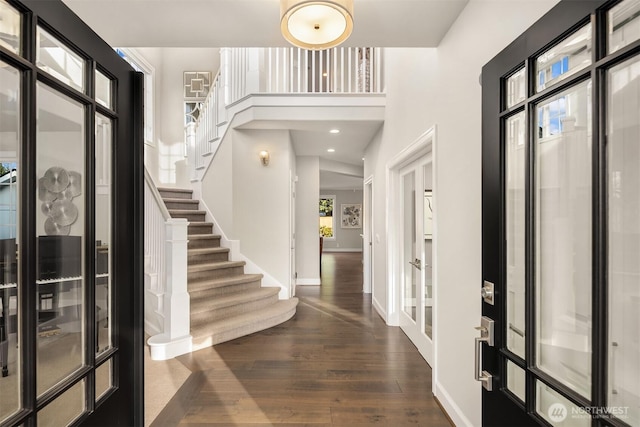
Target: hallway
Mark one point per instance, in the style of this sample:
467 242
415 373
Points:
334 363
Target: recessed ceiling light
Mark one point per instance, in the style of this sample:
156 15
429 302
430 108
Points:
331 150
334 131
363 158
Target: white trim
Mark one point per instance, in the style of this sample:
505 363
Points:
308 282
164 347
368 251
342 250
378 307
449 405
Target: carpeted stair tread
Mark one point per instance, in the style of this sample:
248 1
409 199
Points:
222 282
185 201
223 330
199 305
204 236
215 266
203 251
185 212
175 190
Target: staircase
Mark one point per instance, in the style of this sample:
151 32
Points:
226 303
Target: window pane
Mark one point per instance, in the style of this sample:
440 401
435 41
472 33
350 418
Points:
59 61
516 88
103 232
624 24
10 28
326 217
103 89
60 230
558 410
516 380
104 378
623 170
563 237
515 229
566 58
10 354
65 409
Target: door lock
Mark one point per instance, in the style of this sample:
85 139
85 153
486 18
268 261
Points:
486 329
487 292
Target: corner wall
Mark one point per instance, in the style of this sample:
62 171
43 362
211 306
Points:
307 233
427 87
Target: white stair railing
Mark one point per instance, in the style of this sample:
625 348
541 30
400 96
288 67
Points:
283 70
167 308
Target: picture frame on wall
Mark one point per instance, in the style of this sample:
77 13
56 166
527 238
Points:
351 215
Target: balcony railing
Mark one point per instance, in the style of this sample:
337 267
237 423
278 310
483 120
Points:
247 71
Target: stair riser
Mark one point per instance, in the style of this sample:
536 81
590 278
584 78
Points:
219 273
224 290
184 206
207 258
220 313
214 242
168 194
195 228
196 217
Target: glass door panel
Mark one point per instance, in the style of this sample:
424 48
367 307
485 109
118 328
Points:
427 238
623 182
10 210
563 237
410 276
60 229
515 231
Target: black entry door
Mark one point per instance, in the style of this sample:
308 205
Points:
71 327
561 221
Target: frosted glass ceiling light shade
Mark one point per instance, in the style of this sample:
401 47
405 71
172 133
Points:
317 25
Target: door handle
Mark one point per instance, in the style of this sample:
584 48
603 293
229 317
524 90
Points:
486 335
416 263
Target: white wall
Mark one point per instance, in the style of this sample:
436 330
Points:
261 199
307 233
440 87
170 64
346 239
217 185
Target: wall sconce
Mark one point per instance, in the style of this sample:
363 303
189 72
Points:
264 157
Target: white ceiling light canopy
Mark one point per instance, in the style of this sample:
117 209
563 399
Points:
316 24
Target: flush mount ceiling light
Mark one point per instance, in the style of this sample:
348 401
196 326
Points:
314 24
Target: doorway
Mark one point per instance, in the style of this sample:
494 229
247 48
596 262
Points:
411 244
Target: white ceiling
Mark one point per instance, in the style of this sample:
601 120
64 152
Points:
255 23
336 181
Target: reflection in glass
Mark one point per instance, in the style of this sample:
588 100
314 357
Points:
563 239
58 60
10 26
428 252
624 24
10 122
516 86
60 235
623 187
557 409
103 89
104 378
516 380
65 409
103 232
515 231
564 59
409 244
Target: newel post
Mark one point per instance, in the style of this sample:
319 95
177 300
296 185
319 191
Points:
176 339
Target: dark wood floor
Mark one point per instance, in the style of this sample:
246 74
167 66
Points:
334 363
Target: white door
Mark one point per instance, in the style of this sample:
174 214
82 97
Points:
416 294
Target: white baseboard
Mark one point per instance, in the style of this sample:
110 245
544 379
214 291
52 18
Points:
379 309
308 282
325 249
453 411
163 347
